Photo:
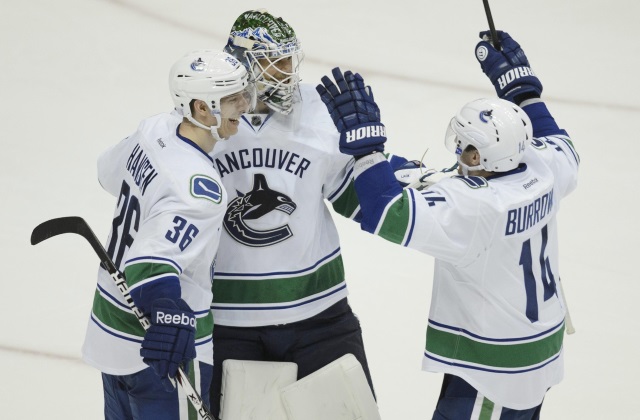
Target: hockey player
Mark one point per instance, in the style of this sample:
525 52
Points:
279 290
497 316
164 237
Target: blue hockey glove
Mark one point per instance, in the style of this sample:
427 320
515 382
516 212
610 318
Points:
508 69
354 112
170 341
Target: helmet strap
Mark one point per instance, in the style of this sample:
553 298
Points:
466 168
213 128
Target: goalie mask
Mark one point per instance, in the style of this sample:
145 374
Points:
216 78
271 52
500 131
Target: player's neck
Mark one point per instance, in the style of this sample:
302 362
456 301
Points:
199 136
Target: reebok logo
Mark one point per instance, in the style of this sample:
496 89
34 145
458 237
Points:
514 74
174 319
364 132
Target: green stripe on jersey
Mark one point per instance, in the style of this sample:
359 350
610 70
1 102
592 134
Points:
461 348
487 409
347 203
279 290
135 273
395 220
126 322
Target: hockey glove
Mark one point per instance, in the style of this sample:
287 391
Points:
508 69
354 112
170 341
414 174
409 172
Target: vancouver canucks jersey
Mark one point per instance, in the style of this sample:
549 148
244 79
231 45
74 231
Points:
280 258
496 318
170 204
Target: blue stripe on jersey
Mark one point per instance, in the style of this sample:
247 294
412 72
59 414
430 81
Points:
199 313
123 337
192 144
462 365
112 298
345 181
268 308
279 273
204 341
113 333
147 282
575 155
412 216
497 340
521 168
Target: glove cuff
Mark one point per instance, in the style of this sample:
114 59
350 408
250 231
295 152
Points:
365 131
518 84
363 139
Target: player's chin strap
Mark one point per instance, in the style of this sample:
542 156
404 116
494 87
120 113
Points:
213 128
466 168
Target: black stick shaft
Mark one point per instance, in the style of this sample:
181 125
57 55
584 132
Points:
79 226
492 28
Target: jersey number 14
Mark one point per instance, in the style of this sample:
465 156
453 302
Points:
548 281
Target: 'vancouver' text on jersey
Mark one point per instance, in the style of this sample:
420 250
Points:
280 258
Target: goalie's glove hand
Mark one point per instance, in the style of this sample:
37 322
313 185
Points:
508 69
354 112
170 341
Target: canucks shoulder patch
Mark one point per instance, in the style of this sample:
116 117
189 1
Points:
473 181
205 187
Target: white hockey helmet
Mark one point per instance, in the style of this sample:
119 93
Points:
268 45
209 76
500 131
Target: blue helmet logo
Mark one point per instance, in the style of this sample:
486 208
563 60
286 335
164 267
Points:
485 114
198 65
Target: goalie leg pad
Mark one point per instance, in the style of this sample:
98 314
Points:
338 391
251 389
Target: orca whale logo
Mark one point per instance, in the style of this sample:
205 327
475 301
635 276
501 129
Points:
253 205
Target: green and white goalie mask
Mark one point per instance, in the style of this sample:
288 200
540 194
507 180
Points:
272 54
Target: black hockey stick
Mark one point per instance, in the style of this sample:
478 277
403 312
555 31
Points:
79 226
492 28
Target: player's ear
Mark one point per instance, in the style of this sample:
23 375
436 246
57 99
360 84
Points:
199 107
475 157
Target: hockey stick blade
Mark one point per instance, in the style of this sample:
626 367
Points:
77 225
492 28
54 227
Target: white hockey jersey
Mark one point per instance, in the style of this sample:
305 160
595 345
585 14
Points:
170 205
496 319
280 258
